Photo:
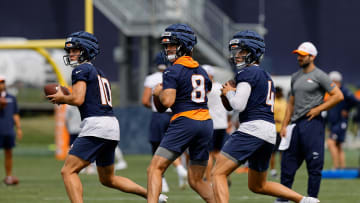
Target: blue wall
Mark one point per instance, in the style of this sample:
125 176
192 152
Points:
52 19
134 129
331 25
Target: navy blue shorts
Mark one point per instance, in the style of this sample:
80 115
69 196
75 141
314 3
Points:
94 149
7 141
338 132
184 132
242 147
218 139
158 126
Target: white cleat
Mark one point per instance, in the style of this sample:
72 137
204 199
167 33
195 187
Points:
163 198
309 200
182 174
165 187
120 165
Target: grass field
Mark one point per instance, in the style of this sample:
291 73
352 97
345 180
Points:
40 179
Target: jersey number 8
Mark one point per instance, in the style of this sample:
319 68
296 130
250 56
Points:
105 91
198 94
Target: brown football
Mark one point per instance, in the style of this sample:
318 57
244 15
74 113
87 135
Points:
50 89
224 99
232 83
160 108
226 103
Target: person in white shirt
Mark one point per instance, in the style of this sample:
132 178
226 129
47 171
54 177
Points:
220 119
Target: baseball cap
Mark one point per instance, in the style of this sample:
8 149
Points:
305 49
209 69
335 76
2 78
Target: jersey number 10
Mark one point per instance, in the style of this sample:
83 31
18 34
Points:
105 91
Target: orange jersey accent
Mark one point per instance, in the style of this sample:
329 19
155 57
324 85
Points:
187 61
197 114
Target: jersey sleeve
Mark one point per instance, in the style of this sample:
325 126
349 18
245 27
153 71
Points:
80 73
16 109
325 81
170 76
249 76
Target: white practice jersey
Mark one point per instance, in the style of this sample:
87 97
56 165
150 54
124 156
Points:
217 110
151 81
106 127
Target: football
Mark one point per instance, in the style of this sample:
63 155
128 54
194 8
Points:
224 99
232 83
226 103
160 108
50 89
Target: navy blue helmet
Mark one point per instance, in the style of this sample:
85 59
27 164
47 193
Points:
161 62
86 42
250 41
181 35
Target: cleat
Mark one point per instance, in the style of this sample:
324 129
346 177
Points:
163 198
309 200
165 187
120 165
11 180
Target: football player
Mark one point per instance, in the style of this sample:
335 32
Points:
184 89
254 140
160 121
100 132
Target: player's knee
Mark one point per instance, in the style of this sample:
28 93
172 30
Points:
64 171
194 181
106 181
256 188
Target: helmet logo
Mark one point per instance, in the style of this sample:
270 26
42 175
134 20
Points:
166 34
68 45
166 40
234 41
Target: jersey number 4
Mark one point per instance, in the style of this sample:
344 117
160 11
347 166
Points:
105 91
198 94
270 98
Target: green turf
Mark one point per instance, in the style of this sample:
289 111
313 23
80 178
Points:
40 179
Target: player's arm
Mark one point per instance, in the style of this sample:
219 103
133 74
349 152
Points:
238 99
146 98
167 97
76 98
335 96
288 113
19 133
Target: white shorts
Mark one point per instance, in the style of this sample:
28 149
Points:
106 127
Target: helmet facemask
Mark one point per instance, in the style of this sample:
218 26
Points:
240 56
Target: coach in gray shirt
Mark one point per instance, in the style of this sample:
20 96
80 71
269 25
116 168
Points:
308 87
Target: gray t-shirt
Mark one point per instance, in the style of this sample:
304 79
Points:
309 90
